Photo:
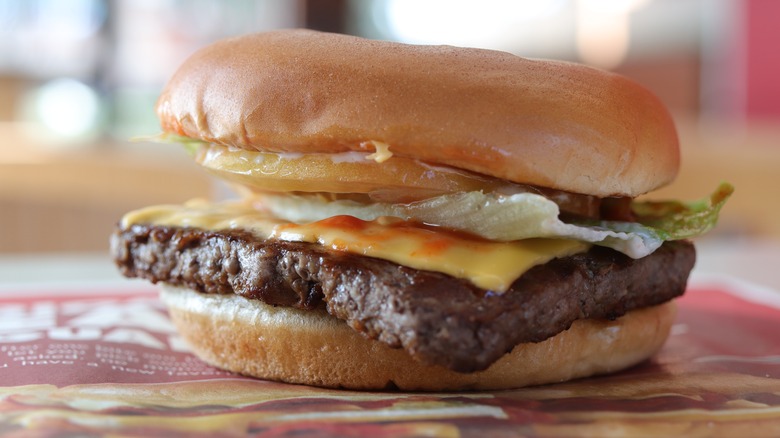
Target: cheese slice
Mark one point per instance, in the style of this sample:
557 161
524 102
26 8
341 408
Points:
487 264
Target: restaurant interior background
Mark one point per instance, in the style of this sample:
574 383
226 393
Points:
79 78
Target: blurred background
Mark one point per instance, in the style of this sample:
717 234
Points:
79 79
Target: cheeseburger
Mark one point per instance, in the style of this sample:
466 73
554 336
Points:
416 217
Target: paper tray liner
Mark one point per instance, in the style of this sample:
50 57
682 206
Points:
112 363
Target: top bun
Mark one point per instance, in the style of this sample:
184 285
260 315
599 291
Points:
546 123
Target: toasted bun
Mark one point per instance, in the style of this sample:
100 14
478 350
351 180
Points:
314 348
551 124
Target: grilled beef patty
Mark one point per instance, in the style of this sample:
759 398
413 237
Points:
436 318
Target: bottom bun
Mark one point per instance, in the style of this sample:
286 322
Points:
314 348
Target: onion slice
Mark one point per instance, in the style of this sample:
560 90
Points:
368 177
394 179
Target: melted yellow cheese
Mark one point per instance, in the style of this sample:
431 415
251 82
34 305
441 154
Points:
488 265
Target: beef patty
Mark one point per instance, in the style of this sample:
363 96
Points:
436 318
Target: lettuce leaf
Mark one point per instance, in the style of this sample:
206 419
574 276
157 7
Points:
190 144
673 220
522 216
660 221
